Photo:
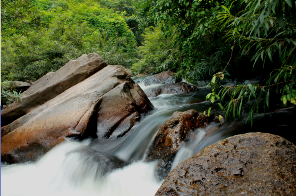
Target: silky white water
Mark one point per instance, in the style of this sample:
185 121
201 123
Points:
57 173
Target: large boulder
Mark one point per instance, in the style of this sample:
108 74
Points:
247 164
105 105
53 84
171 89
172 135
165 77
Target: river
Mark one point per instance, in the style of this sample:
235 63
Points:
87 167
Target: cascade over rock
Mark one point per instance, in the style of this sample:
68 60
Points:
105 105
172 135
165 77
171 89
247 164
53 84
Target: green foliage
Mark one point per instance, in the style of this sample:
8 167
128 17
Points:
253 94
45 35
157 52
269 28
199 49
18 17
9 94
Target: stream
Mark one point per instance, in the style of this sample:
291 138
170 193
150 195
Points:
117 167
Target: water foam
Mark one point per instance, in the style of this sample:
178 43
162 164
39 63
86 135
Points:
58 173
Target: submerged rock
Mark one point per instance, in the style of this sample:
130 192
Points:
53 84
165 77
172 135
105 105
89 163
247 164
171 89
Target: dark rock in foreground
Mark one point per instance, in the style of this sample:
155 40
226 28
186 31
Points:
105 105
165 77
247 164
171 89
172 135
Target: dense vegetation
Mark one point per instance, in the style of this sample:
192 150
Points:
197 39
41 36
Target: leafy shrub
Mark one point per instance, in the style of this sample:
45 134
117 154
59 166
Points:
268 28
9 94
157 53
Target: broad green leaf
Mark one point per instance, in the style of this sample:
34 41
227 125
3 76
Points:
262 17
279 15
271 22
220 105
284 99
269 54
212 99
289 2
213 79
252 89
240 107
209 111
288 97
267 98
229 107
234 106
226 9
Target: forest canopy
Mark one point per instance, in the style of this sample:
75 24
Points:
197 39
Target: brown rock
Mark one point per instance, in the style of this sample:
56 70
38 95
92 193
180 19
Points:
107 104
53 84
247 164
172 135
171 89
165 77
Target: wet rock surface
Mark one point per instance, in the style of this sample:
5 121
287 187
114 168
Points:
53 84
172 135
165 77
107 104
247 164
171 89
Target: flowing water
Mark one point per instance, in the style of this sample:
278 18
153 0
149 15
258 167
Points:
112 167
